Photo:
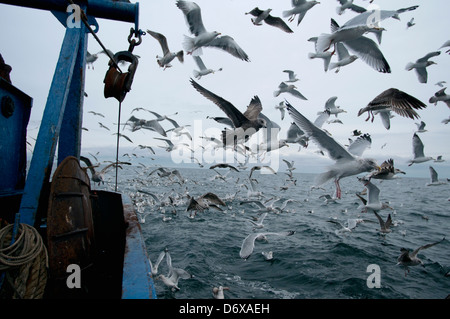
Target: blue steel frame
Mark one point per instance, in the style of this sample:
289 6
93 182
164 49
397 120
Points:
61 125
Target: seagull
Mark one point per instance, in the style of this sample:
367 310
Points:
421 127
292 76
346 163
90 59
410 23
98 177
421 65
203 69
160 118
204 202
174 275
348 4
218 292
387 171
440 96
245 124
296 135
351 36
394 100
224 165
418 153
153 125
325 56
264 15
407 259
282 108
284 88
384 225
332 108
439 159
328 198
204 38
248 243
268 255
169 145
168 56
348 226
258 168
344 58
373 202
434 180
96 113
300 7
446 44
258 223
154 267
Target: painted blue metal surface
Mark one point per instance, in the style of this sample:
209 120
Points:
13 125
137 282
47 139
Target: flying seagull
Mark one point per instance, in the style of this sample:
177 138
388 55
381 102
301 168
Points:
264 15
387 171
418 153
346 163
420 66
168 56
440 96
407 259
434 180
284 88
245 124
204 38
348 4
394 100
203 70
300 8
248 243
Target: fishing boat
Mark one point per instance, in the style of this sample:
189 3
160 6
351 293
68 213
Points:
60 238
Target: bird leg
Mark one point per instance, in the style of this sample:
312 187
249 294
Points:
338 189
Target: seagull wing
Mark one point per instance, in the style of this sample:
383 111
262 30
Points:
367 50
161 39
416 251
254 109
335 150
433 174
428 56
278 23
361 143
417 146
248 244
199 62
229 45
230 110
193 16
373 193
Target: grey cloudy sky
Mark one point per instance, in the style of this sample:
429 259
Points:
31 40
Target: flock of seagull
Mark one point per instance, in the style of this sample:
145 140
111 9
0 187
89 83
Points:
240 126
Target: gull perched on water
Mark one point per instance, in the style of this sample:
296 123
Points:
168 56
248 243
440 96
203 69
373 201
407 259
204 38
394 100
434 180
285 88
420 66
245 124
264 15
346 163
300 7
418 153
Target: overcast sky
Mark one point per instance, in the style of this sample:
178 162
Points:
31 40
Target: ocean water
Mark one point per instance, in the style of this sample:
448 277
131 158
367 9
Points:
318 261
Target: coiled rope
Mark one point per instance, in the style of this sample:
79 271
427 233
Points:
24 262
